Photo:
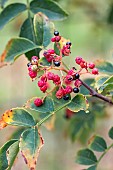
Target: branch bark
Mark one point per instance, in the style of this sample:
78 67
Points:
95 94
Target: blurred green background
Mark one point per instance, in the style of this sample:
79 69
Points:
90 29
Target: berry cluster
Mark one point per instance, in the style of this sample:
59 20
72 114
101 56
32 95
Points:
33 66
83 64
68 81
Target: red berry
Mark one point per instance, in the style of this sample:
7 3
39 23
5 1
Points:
59 94
95 71
68 89
32 74
83 65
41 83
68 114
77 83
91 65
44 88
70 72
51 51
78 60
53 39
50 76
56 78
58 38
43 78
38 102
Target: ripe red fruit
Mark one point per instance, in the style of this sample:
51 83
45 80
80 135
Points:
59 94
91 65
78 60
68 89
51 51
95 71
56 78
32 74
77 83
38 102
50 76
41 83
53 39
44 88
83 65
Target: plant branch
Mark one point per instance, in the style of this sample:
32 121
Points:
104 153
95 94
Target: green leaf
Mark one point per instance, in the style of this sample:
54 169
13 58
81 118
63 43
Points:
27 31
18 117
17 47
111 133
30 145
12 153
10 12
104 67
49 8
92 167
43 29
81 124
46 107
57 51
59 102
99 81
78 103
44 62
86 157
3 156
98 144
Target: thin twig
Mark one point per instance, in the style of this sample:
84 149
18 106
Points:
95 94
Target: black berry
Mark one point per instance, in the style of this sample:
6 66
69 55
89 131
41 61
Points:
57 63
75 90
68 43
56 33
76 76
66 97
29 64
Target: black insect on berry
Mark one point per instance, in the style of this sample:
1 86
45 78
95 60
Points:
68 43
29 64
66 97
76 76
57 63
75 90
56 33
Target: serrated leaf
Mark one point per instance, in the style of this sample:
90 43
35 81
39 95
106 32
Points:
10 12
78 103
98 144
92 167
111 133
49 8
18 117
43 29
12 153
46 107
30 144
17 47
86 157
104 66
3 157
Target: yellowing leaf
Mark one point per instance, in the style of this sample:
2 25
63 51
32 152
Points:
31 142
